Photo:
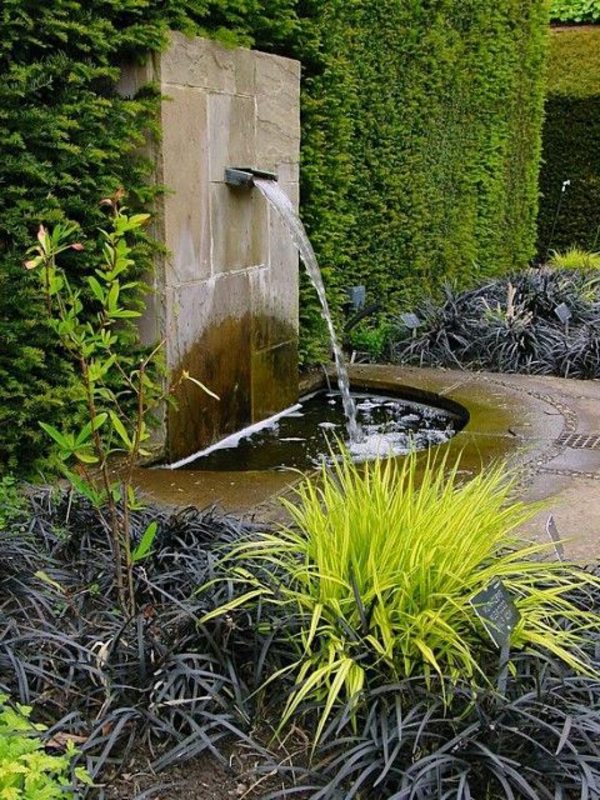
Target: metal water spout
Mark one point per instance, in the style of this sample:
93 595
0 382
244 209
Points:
243 177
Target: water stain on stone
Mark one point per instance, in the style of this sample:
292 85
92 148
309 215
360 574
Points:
251 385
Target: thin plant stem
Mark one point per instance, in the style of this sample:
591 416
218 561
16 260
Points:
112 507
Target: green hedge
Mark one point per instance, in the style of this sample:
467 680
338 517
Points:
421 140
420 147
571 138
66 140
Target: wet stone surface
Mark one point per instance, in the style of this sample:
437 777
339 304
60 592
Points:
303 438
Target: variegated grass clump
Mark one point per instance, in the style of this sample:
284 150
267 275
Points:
378 569
575 258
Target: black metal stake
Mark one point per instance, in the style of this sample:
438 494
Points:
554 535
596 237
503 675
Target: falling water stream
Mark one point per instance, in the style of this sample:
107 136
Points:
283 205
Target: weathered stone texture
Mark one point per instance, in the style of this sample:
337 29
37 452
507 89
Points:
232 133
274 380
277 101
185 161
226 292
240 228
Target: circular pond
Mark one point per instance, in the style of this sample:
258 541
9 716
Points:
303 437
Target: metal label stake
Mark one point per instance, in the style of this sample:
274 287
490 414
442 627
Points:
497 611
554 535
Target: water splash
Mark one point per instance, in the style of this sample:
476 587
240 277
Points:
283 205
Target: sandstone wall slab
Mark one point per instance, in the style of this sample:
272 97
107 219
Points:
226 290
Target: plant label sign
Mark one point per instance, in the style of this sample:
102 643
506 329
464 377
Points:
496 609
563 312
358 295
554 535
411 321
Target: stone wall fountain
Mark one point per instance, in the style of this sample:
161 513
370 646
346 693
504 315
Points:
225 295
226 292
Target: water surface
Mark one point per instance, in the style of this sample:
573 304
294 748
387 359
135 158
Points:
303 438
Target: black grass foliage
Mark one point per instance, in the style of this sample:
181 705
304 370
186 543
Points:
159 680
166 683
540 740
510 325
421 740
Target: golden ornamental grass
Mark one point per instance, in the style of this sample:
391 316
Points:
381 568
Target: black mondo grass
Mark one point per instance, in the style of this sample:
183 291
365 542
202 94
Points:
169 686
511 325
539 742
539 739
158 680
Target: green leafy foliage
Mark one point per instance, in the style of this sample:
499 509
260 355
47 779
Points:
370 337
380 568
117 403
420 154
12 502
571 143
575 10
421 142
26 771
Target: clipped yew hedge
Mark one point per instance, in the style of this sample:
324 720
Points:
421 138
67 140
571 137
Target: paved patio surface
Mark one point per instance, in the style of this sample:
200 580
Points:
547 428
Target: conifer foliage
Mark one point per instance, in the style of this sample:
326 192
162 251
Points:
67 139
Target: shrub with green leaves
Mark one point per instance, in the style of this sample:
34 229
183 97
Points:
118 403
575 10
12 502
26 771
370 337
380 569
